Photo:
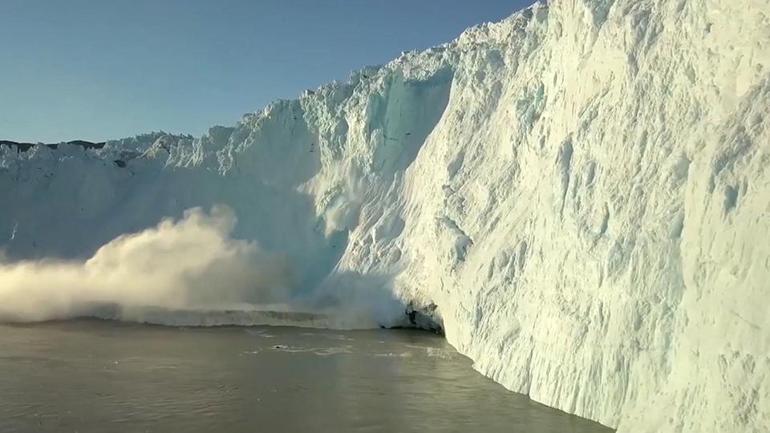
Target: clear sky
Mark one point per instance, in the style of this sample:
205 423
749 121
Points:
101 69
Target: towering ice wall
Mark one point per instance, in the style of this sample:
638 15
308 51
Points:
583 191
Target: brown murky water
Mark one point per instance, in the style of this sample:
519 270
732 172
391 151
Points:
95 376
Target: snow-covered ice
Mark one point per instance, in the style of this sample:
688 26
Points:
582 190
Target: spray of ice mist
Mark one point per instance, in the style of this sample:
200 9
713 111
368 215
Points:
188 263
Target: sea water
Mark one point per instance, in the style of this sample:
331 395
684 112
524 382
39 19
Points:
101 376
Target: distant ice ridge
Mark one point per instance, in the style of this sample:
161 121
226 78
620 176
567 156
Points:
582 189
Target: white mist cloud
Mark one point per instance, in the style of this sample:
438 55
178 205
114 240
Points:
187 263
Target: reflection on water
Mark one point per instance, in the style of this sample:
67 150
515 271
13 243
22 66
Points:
92 376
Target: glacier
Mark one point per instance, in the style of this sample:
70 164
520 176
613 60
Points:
579 194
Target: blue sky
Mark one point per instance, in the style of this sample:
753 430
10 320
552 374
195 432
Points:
94 69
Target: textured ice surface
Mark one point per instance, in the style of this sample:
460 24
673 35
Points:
582 189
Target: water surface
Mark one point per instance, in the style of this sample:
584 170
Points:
99 376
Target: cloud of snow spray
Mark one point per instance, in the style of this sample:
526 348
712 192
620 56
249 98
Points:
191 264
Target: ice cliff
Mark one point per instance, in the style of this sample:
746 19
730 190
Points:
583 191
